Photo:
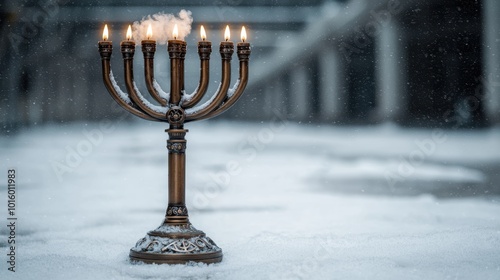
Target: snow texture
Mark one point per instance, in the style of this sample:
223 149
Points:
121 94
188 97
158 109
233 89
280 199
198 108
160 91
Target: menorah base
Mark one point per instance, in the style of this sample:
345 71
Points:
176 244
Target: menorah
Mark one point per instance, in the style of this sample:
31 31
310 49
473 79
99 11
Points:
176 240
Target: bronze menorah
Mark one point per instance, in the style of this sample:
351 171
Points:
176 240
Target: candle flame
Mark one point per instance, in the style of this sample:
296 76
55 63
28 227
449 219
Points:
129 33
149 34
202 33
105 35
243 34
175 33
227 33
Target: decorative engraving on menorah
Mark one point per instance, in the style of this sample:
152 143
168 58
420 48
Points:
176 240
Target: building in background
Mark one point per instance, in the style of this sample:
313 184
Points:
411 62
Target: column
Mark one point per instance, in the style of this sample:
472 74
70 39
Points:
298 94
331 85
491 59
279 98
11 106
267 100
390 73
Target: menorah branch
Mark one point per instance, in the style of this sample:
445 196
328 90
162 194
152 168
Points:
148 50
237 91
226 51
128 50
116 93
204 51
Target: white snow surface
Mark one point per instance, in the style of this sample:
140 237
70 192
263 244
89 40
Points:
253 188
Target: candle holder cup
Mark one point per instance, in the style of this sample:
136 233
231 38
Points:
175 240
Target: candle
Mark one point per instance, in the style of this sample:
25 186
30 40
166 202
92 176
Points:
105 33
203 34
243 38
243 34
175 42
226 47
149 33
227 33
149 45
243 47
128 41
176 46
129 33
128 46
105 37
204 46
105 46
175 32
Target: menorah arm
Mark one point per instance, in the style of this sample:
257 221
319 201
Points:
192 99
200 111
154 111
118 95
234 93
153 87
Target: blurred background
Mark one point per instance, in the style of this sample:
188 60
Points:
422 63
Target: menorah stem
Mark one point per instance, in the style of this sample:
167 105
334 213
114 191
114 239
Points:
175 88
176 145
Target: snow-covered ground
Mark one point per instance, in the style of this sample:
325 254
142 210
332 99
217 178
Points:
283 201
